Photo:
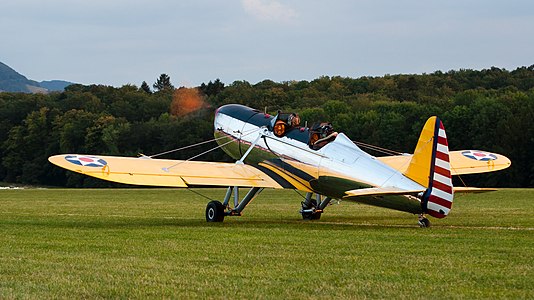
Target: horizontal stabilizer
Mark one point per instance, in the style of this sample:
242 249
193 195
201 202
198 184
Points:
380 191
462 162
473 190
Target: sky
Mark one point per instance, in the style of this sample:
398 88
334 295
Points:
117 42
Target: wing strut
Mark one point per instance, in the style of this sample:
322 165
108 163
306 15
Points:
241 161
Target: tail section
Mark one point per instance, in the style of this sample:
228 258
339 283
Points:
431 168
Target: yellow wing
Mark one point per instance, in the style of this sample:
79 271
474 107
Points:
168 173
462 162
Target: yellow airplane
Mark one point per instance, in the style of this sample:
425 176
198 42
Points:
276 152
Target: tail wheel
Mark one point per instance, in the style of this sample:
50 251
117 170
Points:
424 223
215 212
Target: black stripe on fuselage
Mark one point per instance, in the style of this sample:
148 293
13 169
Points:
279 179
287 167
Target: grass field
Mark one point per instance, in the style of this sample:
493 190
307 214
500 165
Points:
154 243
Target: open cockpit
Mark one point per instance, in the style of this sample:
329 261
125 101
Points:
315 137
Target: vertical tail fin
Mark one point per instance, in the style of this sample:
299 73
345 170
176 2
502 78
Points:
430 167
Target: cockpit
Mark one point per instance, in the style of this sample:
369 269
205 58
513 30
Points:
321 134
288 124
284 122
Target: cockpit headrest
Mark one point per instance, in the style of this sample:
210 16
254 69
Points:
293 120
290 119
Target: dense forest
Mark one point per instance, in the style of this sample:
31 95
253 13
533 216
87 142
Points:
491 109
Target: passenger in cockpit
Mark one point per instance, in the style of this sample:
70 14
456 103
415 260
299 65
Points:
283 122
321 134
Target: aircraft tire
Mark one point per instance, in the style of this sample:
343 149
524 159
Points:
215 212
311 216
424 223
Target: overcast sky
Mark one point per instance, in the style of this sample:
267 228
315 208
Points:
115 42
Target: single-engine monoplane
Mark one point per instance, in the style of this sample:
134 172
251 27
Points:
277 152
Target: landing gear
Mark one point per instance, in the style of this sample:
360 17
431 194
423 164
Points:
216 211
310 213
313 208
423 221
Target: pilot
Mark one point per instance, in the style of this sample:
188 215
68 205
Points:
324 135
283 122
293 120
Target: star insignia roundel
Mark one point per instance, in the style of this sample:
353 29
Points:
479 155
86 161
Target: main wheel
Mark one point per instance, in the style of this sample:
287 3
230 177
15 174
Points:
215 212
311 215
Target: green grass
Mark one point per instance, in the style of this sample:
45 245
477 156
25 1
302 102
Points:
153 243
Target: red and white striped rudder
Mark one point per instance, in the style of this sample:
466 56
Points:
437 200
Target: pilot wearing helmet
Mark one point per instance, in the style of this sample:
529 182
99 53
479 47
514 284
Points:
321 134
283 122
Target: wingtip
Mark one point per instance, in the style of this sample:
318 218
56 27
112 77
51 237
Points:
53 159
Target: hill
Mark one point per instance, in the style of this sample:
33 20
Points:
55 85
12 81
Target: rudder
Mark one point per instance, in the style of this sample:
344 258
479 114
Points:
430 167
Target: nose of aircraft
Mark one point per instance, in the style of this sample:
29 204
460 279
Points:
215 118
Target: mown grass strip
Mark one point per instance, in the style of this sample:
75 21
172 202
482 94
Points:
153 243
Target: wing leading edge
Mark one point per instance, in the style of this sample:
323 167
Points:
166 173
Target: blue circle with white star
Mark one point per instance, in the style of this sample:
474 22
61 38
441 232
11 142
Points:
479 155
86 161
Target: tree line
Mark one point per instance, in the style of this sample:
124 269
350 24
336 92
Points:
489 109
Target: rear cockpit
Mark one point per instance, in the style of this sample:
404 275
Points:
321 134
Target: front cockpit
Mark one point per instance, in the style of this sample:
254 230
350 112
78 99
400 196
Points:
282 123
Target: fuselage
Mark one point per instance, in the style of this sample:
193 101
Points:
337 167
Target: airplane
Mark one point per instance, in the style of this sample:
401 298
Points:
277 152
